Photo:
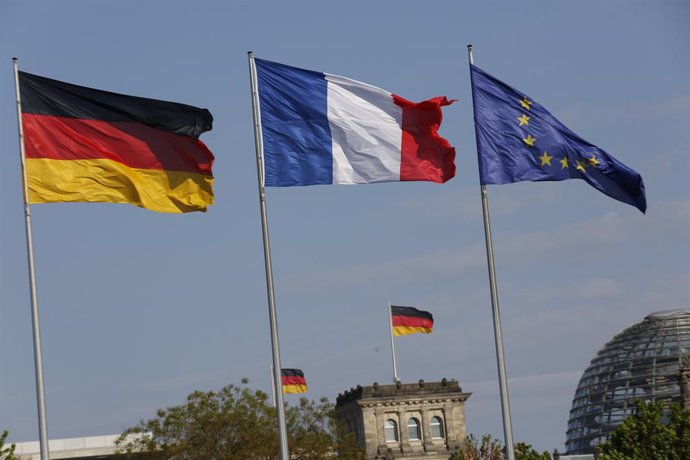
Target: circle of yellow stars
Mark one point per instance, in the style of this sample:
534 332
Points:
545 158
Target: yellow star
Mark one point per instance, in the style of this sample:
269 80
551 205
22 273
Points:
529 140
593 161
525 103
581 165
545 159
524 119
564 162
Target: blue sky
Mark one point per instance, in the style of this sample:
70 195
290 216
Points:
139 308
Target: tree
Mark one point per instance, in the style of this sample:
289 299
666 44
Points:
492 449
646 435
237 423
525 451
472 449
6 453
314 433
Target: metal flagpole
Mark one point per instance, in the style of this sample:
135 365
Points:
38 358
498 335
273 390
390 327
277 388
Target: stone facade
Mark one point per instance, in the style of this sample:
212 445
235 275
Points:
424 420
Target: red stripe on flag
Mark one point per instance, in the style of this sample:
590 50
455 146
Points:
132 144
426 156
293 380
412 321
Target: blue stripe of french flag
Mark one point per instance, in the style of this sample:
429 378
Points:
320 128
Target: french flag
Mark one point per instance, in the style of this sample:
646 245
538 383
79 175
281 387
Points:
319 128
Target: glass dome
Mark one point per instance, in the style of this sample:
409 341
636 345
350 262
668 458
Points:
643 361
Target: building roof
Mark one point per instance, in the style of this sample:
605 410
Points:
90 447
444 388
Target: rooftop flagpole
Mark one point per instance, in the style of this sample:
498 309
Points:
390 326
277 387
38 357
498 335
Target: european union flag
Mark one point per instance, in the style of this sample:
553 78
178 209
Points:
519 140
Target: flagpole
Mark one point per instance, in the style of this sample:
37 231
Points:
38 358
273 390
498 335
275 347
390 328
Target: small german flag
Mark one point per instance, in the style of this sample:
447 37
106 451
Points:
409 320
293 381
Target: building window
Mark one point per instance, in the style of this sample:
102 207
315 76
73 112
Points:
436 428
391 431
413 431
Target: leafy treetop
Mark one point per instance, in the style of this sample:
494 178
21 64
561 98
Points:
6 453
238 423
651 433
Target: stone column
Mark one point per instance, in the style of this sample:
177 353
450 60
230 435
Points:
449 422
380 434
426 430
404 439
453 424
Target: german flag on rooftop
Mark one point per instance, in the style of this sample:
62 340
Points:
410 320
87 145
293 381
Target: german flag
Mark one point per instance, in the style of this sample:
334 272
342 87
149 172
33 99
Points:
293 381
409 320
84 144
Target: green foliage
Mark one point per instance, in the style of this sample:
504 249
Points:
488 449
527 452
492 449
6 453
237 423
646 436
313 432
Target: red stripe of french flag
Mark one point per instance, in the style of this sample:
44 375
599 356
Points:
425 155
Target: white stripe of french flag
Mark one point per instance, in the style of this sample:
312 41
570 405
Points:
325 129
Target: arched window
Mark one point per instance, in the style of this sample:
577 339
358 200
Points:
390 429
413 431
436 427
